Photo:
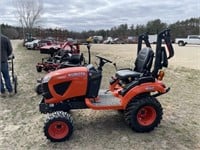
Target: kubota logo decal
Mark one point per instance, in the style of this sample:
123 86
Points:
77 74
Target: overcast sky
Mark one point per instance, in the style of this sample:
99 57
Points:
79 15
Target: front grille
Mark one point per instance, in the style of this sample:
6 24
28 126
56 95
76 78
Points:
61 88
46 93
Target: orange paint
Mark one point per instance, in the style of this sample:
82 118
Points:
78 83
90 105
143 88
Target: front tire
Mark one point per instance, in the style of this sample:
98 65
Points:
143 114
58 126
181 43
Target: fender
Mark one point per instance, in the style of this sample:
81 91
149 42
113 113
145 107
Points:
143 88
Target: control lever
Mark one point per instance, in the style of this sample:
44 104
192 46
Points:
115 66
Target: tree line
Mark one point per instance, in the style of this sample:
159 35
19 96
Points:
178 29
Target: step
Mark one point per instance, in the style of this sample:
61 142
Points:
106 98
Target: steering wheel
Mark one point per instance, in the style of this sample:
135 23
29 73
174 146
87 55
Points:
104 59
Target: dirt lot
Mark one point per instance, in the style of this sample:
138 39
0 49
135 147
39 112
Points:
21 124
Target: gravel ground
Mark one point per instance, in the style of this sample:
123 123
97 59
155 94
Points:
21 123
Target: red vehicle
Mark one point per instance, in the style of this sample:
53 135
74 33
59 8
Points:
44 42
53 48
58 54
132 91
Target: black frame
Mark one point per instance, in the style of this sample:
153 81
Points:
143 37
163 35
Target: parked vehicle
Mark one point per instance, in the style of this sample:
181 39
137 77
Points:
109 40
28 38
191 39
45 42
50 49
132 39
32 45
95 39
118 41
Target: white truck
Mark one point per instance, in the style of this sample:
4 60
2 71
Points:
191 39
97 39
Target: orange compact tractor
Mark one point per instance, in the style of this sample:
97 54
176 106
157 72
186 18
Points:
132 91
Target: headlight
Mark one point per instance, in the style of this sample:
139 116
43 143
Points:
46 79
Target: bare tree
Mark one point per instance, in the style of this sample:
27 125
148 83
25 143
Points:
29 12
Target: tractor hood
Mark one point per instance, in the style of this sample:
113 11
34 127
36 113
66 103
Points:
66 74
64 84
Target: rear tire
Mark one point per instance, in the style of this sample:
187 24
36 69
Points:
58 126
143 114
181 43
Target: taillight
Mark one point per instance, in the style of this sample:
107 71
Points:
161 74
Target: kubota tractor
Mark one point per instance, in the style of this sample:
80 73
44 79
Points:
132 91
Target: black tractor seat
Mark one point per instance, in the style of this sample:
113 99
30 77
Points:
124 74
143 65
67 64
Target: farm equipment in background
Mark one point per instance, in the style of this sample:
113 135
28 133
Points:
132 91
54 48
62 59
67 54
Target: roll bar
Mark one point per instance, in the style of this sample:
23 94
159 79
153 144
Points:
161 58
143 37
165 35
